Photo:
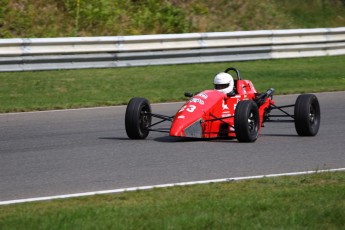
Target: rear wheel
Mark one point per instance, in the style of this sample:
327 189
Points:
138 118
307 115
246 121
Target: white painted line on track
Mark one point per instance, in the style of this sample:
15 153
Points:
162 186
82 109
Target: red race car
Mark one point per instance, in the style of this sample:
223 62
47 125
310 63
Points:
217 113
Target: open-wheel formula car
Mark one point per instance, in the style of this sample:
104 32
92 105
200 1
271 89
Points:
213 114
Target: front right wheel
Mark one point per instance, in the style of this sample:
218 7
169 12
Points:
138 118
307 115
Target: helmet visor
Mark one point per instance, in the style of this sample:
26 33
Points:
221 86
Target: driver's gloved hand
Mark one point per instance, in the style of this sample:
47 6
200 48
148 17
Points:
231 94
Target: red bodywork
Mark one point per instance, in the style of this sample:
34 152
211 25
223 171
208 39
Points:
210 114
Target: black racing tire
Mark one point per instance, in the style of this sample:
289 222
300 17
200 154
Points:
138 118
247 121
307 115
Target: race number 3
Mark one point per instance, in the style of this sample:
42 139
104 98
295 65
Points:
189 108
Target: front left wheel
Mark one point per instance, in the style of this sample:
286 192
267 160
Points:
247 121
138 118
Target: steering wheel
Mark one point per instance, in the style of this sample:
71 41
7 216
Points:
236 70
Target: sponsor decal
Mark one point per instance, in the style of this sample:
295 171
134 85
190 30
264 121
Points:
203 95
244 89
252 86
224 106
227 115
197 100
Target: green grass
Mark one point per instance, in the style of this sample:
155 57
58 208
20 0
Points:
315 201
44 90
65 18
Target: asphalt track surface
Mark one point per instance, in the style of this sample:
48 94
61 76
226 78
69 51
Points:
73 151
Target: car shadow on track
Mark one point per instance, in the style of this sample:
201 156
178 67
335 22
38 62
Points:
165 139
114 138
278 135
169 139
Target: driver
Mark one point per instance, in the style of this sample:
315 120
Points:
224 83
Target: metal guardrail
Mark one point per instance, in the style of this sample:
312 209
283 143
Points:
119 51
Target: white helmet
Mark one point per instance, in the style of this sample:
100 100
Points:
223 82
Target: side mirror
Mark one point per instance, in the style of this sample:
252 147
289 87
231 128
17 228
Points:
188 94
